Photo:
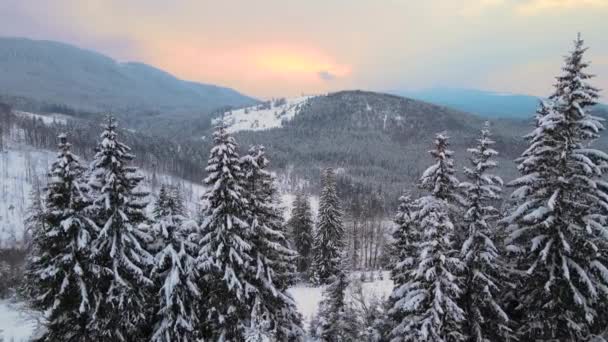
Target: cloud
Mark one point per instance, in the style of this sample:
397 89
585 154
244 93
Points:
326 75
531 7
528 7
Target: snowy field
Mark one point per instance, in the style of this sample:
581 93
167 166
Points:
255 118
308 298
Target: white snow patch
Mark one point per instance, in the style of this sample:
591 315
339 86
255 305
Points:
287 203
260 117
16 323
308 298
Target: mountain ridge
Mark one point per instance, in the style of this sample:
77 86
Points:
60 73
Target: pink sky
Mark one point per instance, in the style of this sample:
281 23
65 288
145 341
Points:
271 48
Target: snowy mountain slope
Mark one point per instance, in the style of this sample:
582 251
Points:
270 114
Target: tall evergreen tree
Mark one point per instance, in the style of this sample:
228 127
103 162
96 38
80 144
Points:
174 271
273 266
59 274
225 241
169 202
558 221
404 262
428 301
301 228
120 256
486 320
336 320
329 236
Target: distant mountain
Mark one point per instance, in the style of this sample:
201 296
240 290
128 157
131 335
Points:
483 103
53 73
377 140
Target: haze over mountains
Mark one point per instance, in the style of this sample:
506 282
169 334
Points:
52 73
480 102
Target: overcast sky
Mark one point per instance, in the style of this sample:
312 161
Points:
271 48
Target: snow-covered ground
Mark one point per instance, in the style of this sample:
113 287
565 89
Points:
259 117
308 297
16 324
20 168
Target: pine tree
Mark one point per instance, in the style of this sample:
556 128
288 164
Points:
336 319
169 202
404 261
301 227
59 274
120 256
225 244
175 272
427 303
558 221
329 236
485 317
273 265
34 222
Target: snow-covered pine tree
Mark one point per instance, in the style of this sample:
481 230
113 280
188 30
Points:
329 236
169 202
301 228
428 301
336 320
273 266
120 251
225 240
403 264
58 276
174 271
558 221
486 320
34 219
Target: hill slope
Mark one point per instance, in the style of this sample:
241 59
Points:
57 73
376 140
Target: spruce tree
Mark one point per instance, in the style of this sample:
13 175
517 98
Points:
486 320
301 228
329 236
225 241
58 276
273 266
120 256
404 262
558 220
427 303
174 271
336 320
169 202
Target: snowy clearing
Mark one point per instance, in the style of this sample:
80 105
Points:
308 297
264 116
